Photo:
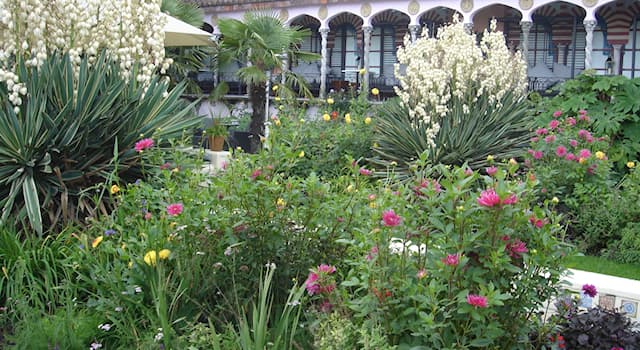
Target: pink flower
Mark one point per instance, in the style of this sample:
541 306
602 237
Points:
541 131
573 143
147 216
590 290
255 174
570 157
582 112
373 252
371 197
390 218
584 153
584 134
550 139
511 199
491 170
421 274
538 223
571 121
477 300
489 198
557 114
425 184
517 248
553 124
165 166
143 144
310 284
174 209
468 172
535 139
326 268
365 172
561 151
537 155
326 306
451 260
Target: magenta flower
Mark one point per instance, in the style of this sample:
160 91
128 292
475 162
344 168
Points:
553 124
538 223
147 216
328 269
255 174
477 300
571 121
561 151
584 153
511 199
537 155
535 139
373 252
584 118
617 348
590 290
489 198
421 274
550 139
174 209
542 131
390 218
583 134
451 260
573 143
570 156
143 144
365 172
491 170
426 183
557 114
468 172
310 284
517 248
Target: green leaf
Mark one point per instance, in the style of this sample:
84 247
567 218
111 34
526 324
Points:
32 203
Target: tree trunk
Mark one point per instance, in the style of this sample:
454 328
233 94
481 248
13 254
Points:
256 128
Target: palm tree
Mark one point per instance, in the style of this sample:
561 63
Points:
261 42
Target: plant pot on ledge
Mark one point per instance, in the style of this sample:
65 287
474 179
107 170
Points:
216 135
216 143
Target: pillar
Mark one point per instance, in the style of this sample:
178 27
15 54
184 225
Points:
525 26
617 58
562 48
367 46
324 33
413 30
216 39
589 26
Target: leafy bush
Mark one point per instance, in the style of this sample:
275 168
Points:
74 133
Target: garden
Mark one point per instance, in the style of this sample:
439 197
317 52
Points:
440 219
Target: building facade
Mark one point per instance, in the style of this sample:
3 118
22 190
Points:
559 39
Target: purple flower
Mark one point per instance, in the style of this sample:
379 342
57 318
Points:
590 290
109 232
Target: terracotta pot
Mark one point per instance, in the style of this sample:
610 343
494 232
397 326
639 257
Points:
216 143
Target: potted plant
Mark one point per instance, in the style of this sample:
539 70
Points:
216 134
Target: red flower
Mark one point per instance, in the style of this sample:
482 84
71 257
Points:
477 301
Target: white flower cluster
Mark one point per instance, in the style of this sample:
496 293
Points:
131 30
453 65
399 246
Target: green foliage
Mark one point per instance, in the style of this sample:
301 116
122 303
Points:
497 129
73 134
612 102
336 332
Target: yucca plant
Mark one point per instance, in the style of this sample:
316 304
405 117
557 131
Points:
500 130
73 132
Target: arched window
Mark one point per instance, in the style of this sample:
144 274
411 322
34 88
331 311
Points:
631 52
345 56
382 54
312 43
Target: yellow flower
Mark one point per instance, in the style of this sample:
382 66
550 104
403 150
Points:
326 117
301 154
115 189
275 88
362 71
490 158
164 254
350 188
513 161
130 264
301 120
367 120
630 165
277 122
280 202
375 145
330 101
460 208
372 205
375 91
96 242
600 155
277 98
555 200
150 258
582 160
123 246
347 118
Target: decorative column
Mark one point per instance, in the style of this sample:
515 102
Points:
525 26
367 46
617 58
216 39
285 67
413 30
468 27
324 33
589 26
562 47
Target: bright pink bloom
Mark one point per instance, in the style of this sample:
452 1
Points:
390 218
573 143
550 139
584 153
491 170
561 151
582 112
371 197
590 290
143 144
537 155
541 131
425 184
326 268
553 124
517 248
571 121
489 198
584 134
557 114
451 260
511 199
175 209
570 156
535 139
255 174
468 172
538 223
477 300
365 172
310 284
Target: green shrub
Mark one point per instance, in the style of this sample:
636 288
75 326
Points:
74 134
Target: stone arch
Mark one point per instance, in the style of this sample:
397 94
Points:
393 18
507 17
437 17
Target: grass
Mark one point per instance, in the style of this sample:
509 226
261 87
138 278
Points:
604 266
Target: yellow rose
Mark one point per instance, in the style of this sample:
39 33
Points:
347 118
115 189
367 120
600 155
96 242
375 91
330 101
630 165
301 154
150 258
326 117
164 254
